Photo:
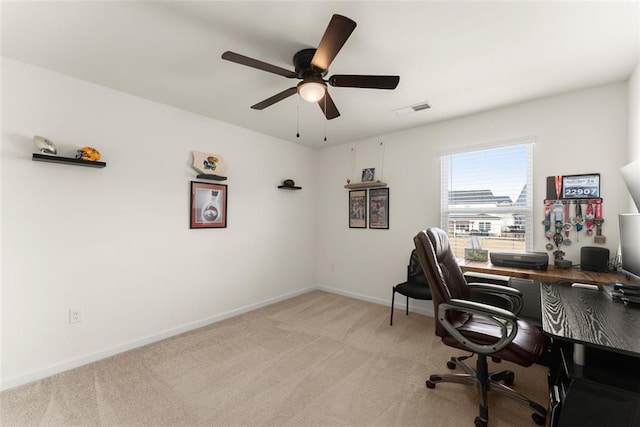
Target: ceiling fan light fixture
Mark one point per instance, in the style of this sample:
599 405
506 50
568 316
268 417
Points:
312 90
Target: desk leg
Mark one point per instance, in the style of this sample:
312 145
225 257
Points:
578 354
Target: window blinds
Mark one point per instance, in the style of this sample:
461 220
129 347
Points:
487 195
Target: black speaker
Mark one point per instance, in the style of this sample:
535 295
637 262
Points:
594 259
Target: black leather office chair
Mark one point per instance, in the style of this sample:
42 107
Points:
479 328
415 287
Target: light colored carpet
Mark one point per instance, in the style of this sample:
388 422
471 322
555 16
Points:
318 359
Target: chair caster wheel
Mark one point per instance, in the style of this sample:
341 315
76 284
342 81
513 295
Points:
539 419
451 365
479 423
508 379
431 384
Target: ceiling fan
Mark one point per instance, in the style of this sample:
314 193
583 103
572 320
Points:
311 65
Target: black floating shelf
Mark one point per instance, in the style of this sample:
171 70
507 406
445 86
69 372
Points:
289 187
212 177
67 160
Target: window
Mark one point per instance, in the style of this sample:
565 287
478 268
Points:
487 194
462 228
484 226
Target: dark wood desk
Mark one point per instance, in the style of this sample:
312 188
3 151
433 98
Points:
605 391
582 316
590 317
601 386
552 274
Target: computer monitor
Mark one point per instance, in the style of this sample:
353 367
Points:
630 244
631 175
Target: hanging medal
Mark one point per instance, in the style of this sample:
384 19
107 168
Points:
547 224
567 226
578 220
589 217
599 238
557 211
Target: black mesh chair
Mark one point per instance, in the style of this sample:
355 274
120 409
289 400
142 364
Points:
415 287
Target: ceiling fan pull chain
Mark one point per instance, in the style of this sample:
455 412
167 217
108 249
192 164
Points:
325 122
298 118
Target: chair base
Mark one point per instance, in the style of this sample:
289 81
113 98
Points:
486 382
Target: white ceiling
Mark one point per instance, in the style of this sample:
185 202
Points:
461 57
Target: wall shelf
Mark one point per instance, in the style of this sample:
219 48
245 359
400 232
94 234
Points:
289 187
212 177
366 184
66 160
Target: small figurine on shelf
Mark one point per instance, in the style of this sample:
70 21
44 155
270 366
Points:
88 153
44 145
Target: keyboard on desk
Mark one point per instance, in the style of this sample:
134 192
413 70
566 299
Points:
624 293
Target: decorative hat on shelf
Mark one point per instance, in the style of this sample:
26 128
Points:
289 184
209 164
44 145
88 153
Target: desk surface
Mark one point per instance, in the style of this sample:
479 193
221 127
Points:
587 316
552 274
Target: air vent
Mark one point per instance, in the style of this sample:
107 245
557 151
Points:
423 106
412 108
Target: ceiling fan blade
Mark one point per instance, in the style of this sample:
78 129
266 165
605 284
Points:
275 98
337 32
331 111
368 82
254 63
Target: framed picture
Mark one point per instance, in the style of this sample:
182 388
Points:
368 174
379 208
208 205
358 209
581 186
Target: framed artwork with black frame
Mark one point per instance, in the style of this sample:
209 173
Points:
379 208
358 209
208 205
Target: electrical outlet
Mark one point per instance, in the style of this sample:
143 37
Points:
75 315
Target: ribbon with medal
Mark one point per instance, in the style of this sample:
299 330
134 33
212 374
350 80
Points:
598 220
578 220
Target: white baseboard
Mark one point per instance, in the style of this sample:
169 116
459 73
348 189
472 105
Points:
39 374
427 311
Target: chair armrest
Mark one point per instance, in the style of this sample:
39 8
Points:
511 295
504 319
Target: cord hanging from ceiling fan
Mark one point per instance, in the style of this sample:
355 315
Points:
325 122
298 119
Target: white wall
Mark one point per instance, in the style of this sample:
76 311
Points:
116 242
580 132
634 114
